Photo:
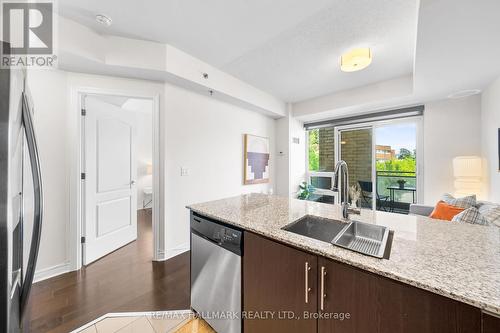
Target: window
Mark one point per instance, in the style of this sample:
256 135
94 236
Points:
321 182
381 151
321 162
396 167
321 149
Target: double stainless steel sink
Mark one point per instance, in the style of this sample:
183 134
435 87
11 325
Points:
357 236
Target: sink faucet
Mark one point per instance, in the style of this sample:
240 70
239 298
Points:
342 171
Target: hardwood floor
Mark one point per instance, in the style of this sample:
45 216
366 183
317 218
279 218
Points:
125 280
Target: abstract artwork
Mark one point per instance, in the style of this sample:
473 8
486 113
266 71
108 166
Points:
256 170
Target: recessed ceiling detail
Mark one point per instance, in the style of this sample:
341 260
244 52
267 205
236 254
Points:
464 93
289 48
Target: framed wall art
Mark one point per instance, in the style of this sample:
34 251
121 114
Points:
256 159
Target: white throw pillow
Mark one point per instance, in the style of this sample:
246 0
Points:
472 216
491 212
465 202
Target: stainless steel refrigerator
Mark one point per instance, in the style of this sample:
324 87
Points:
21 200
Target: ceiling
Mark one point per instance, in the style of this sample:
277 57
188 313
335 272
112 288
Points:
458 46
289 48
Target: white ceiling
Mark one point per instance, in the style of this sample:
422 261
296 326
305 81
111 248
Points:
289 48
458 46
303 62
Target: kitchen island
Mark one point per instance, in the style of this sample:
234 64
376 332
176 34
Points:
446 274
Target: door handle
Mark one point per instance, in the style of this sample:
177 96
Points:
15 283
132 182
322 291
38 203
307 288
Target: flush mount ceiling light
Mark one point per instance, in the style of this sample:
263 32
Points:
356 59
103 19
464 93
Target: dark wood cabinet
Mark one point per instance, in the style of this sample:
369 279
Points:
377 304
352 300
491 324
274 287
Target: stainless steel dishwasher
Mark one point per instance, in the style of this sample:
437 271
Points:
216 251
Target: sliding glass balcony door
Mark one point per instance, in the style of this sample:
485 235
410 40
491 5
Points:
382 161
396 164
356 150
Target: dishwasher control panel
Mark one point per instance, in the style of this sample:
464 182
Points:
227 235
229 238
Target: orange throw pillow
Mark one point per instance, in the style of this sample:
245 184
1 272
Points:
443 211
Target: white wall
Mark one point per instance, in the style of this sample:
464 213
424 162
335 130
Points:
282 162
290 156
490 114
452 128
205 136
82 49
50 95
282 156
363 99
200 133
143 110
297 155
56 125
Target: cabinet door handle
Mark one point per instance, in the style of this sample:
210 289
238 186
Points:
323 295
307 289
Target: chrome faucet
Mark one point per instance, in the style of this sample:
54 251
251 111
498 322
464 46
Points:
342 171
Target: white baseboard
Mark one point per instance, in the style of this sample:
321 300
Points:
45 273
160 255
172 252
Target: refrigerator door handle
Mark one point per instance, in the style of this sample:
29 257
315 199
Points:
15 283
38 203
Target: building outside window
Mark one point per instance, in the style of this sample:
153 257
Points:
321 163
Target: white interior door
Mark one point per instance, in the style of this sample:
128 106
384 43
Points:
110 175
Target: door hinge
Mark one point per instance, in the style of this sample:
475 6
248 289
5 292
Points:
82 239
82 176
84 112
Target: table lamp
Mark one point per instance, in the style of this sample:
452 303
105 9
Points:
467 171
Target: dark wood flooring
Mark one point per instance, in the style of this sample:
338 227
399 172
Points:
125 280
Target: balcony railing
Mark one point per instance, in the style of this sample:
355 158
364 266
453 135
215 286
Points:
401 199
398 202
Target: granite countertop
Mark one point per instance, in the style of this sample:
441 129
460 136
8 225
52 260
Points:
456 260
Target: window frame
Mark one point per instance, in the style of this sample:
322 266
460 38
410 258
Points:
310 173
418 120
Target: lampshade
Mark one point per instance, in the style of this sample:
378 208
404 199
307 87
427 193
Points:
467 171
149 169
355 60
